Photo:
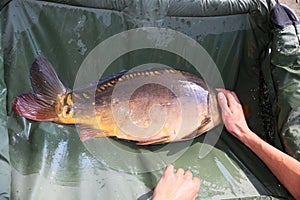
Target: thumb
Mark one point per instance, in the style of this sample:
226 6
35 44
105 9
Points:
223 102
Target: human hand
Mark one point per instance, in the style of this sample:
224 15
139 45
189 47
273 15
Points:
176 186
232 114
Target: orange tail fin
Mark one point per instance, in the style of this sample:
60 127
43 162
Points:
40 105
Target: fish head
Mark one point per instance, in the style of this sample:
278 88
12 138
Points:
64 110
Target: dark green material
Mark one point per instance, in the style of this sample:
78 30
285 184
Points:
48 161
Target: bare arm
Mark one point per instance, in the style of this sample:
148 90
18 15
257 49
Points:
283 166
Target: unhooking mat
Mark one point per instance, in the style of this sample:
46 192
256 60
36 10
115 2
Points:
234 44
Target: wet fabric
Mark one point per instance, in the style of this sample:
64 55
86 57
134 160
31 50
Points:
48 161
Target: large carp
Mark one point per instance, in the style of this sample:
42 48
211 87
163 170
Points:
103 109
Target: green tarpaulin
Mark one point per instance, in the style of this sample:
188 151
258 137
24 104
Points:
233 44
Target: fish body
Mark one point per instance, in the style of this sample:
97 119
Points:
147 106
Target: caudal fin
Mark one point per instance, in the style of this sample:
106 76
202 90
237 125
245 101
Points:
40 105
32 107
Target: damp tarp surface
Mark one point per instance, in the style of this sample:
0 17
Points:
85 40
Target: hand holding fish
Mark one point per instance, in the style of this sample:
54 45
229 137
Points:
176 186
232 113
276 160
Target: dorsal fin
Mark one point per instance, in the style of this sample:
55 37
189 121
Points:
112 77
103 81
131 74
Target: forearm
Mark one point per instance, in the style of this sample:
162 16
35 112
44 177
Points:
283 166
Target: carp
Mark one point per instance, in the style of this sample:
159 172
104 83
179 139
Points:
123 105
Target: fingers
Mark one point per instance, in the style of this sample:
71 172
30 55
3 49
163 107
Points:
221 90
197 184
235 97
196 187
232 113
197 181
181 173
227 99
232 99
169 169
188 174
223 102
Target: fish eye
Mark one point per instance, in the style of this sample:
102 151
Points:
66 111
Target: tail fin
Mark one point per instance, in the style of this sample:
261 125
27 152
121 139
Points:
32 107
41 105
